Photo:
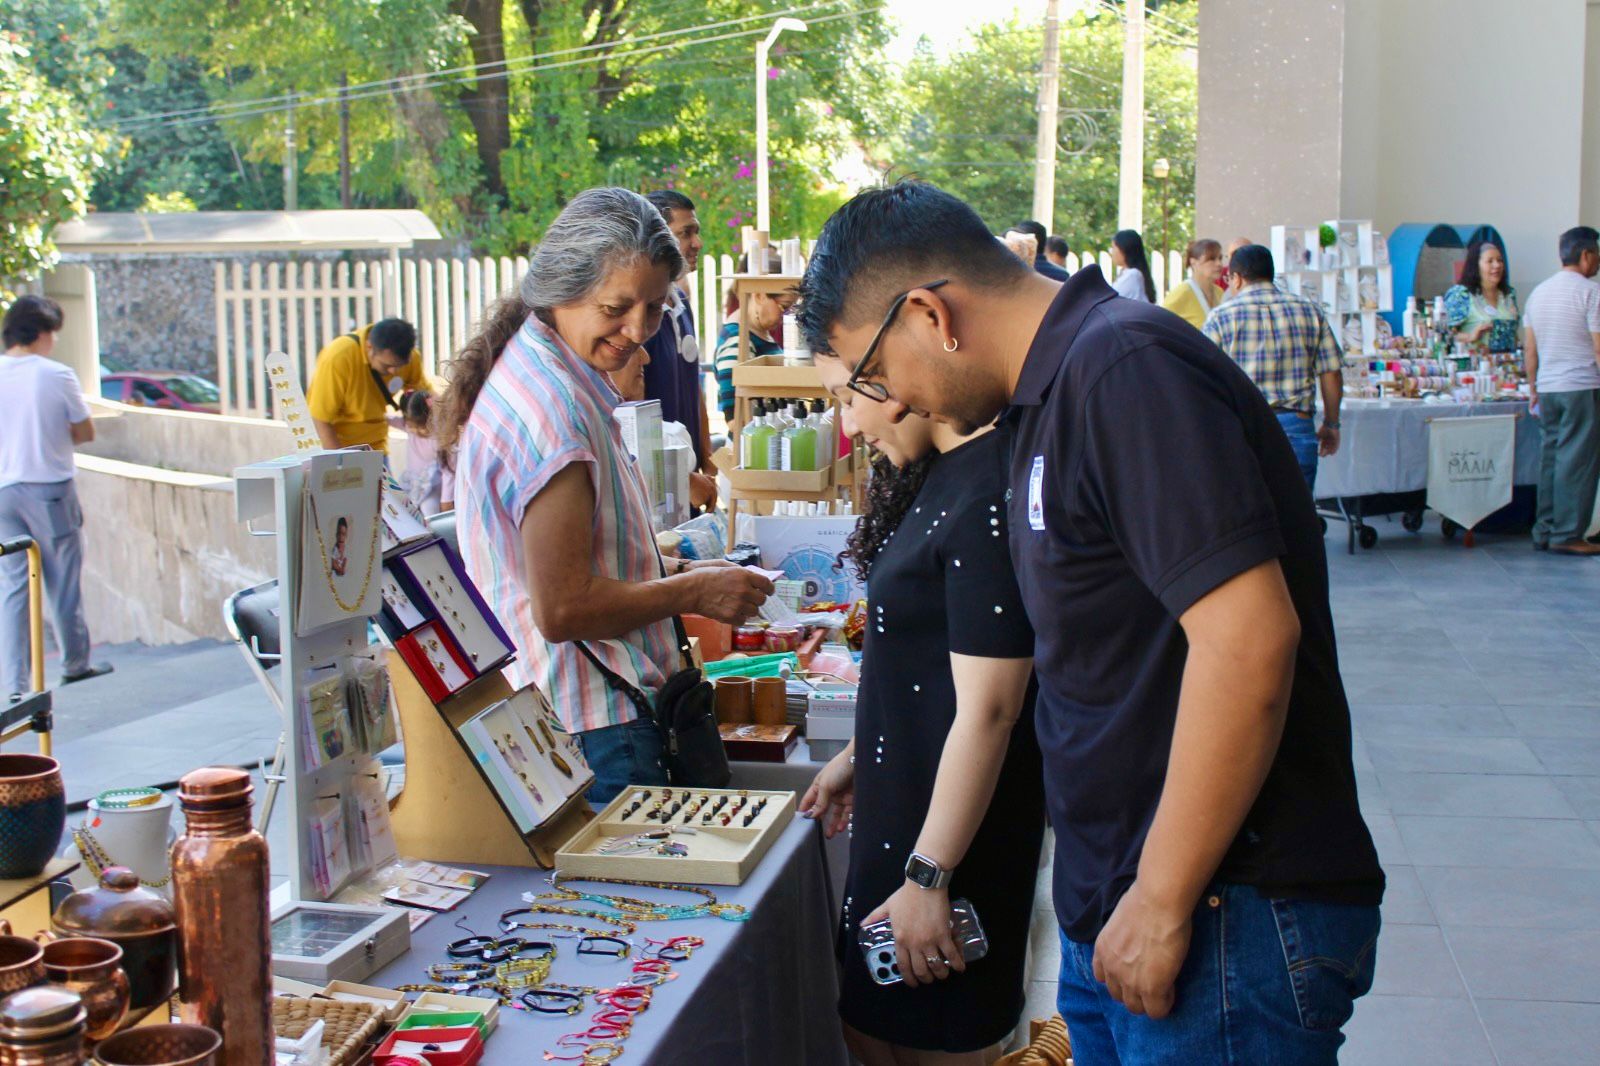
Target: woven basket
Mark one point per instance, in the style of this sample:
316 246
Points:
1049 1046
346 1026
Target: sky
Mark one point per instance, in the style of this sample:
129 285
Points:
946 22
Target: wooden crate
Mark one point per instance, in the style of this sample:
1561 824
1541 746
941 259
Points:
780 481
718 854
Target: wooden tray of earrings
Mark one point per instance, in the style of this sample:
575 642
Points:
697 836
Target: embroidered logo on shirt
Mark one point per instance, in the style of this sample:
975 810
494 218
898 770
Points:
1036 494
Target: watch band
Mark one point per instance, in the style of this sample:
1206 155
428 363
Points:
925 873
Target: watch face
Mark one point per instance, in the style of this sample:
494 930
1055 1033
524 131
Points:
920 871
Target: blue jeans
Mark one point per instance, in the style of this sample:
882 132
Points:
1266 981
1302 434
622 755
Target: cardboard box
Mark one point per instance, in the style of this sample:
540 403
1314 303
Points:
807 550
641 434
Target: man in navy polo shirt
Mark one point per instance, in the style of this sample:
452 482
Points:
1216 886
673 373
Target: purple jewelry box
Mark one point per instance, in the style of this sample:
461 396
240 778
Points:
473 627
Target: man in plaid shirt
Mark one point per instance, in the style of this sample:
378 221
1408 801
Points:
1283 342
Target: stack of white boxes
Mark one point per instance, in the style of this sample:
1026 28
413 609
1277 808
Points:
830 720
1351 278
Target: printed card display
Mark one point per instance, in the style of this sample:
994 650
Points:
340 564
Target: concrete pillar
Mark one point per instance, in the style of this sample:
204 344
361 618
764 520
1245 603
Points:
72 286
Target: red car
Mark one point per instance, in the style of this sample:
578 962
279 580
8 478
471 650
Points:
172 389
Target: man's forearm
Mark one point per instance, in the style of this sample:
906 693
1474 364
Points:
1332 384
1231 711
326 434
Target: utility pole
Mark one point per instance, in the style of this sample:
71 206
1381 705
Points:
1130 186
291 165
344 142
1044 151
763 50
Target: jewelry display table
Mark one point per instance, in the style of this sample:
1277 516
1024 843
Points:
762 990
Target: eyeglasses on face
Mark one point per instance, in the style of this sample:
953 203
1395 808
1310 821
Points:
876 391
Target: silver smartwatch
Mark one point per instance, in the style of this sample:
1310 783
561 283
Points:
925 873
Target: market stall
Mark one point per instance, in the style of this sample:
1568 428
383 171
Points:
1381 466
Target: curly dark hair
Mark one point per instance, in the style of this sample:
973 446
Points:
890 492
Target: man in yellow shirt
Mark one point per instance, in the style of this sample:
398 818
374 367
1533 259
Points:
350 396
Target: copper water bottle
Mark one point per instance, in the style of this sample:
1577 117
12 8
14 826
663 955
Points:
219 890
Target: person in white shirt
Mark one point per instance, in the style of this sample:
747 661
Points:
1133 279
1561 346
46 419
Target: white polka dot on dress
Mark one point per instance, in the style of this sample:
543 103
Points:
998 609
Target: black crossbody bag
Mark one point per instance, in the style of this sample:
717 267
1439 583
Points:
685 714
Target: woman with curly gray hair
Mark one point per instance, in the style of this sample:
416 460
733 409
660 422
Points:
554 520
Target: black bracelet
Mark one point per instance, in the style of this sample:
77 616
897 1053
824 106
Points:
473 947
543 949
567 1002
587 946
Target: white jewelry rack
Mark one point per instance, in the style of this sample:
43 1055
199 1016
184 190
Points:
269 499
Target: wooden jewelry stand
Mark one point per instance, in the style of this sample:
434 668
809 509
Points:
717 854
447 812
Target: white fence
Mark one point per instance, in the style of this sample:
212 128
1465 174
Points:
299 308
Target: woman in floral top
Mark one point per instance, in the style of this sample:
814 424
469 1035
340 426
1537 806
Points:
1482 310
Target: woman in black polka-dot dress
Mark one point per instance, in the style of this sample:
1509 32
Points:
944 722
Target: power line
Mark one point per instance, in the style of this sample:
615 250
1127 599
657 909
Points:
486 72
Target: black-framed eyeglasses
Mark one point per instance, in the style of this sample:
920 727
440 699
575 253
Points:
876 391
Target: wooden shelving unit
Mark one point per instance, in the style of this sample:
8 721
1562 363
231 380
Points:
768 377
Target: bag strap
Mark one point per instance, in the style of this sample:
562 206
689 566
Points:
377 378
640 702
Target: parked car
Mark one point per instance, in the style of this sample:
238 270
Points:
172 389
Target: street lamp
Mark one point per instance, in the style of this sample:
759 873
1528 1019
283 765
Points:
763 206
1159 170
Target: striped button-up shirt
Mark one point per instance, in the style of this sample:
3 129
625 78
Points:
542 409
1281 341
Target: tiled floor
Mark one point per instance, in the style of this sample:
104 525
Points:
1474 682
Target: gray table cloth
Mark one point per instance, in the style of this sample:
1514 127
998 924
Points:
795 776
763 990
1384 445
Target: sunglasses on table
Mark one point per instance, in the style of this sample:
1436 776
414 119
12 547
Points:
876 391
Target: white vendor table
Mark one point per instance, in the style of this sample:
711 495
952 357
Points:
1383 452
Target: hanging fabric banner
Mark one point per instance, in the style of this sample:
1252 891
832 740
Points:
1470 466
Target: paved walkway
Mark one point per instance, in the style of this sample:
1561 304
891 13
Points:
1474 677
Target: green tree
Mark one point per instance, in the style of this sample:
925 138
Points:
966 121
47 162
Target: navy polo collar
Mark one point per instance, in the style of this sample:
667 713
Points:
1057 331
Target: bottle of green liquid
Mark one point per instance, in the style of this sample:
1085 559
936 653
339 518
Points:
754 439
800 441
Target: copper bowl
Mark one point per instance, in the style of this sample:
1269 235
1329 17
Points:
92 968
33 813
21 962
161 1045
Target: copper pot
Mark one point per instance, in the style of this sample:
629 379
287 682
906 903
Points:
41 1027
161 1045
138 921
92 968
21 961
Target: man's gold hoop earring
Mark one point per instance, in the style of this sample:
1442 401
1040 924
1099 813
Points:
951 345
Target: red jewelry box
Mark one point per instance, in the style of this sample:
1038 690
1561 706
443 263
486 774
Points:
460 1045
416 649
